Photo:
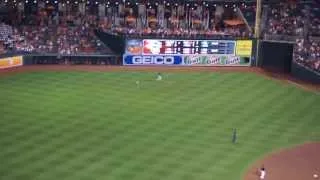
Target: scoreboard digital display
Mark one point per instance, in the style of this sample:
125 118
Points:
188 52
180 47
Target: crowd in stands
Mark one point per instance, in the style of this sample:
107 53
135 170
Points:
6 33
314 25
229 32
73 33
302 22
70 35
285 19
208 23
307 53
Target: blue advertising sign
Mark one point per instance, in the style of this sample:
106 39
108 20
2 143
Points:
152 60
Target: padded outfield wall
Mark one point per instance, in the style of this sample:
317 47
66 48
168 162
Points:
278 56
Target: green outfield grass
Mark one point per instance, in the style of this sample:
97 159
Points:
100 126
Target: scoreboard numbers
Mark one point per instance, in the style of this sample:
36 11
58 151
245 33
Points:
188 52
188 47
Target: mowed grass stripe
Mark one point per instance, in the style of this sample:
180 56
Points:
81 125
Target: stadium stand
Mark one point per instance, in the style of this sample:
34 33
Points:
66 30
69 35
314 25
285 19
298 22
307 53
249 12
197 22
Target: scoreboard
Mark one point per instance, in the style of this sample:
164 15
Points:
187 52
173 47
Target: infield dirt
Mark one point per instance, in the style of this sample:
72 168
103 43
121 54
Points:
297 163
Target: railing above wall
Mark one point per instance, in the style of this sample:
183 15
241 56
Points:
72 59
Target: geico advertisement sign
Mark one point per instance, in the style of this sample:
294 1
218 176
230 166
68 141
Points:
152 60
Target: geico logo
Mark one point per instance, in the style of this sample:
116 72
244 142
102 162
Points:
153 60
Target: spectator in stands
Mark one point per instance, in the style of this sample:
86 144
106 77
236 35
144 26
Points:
307 53
285 19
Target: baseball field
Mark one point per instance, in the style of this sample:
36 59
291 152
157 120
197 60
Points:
108 125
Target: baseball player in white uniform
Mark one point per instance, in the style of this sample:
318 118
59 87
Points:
159 77
262 174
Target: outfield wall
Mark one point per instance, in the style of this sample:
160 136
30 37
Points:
72 59
275 55
304 73
278 56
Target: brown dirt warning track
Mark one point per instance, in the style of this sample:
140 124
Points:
298 163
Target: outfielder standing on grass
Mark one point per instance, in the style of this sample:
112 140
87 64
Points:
159 77
234 135
138 84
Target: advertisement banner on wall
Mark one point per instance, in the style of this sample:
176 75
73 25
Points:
202 60
187 60
244 48
11 62
134 47
215 60
152 60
